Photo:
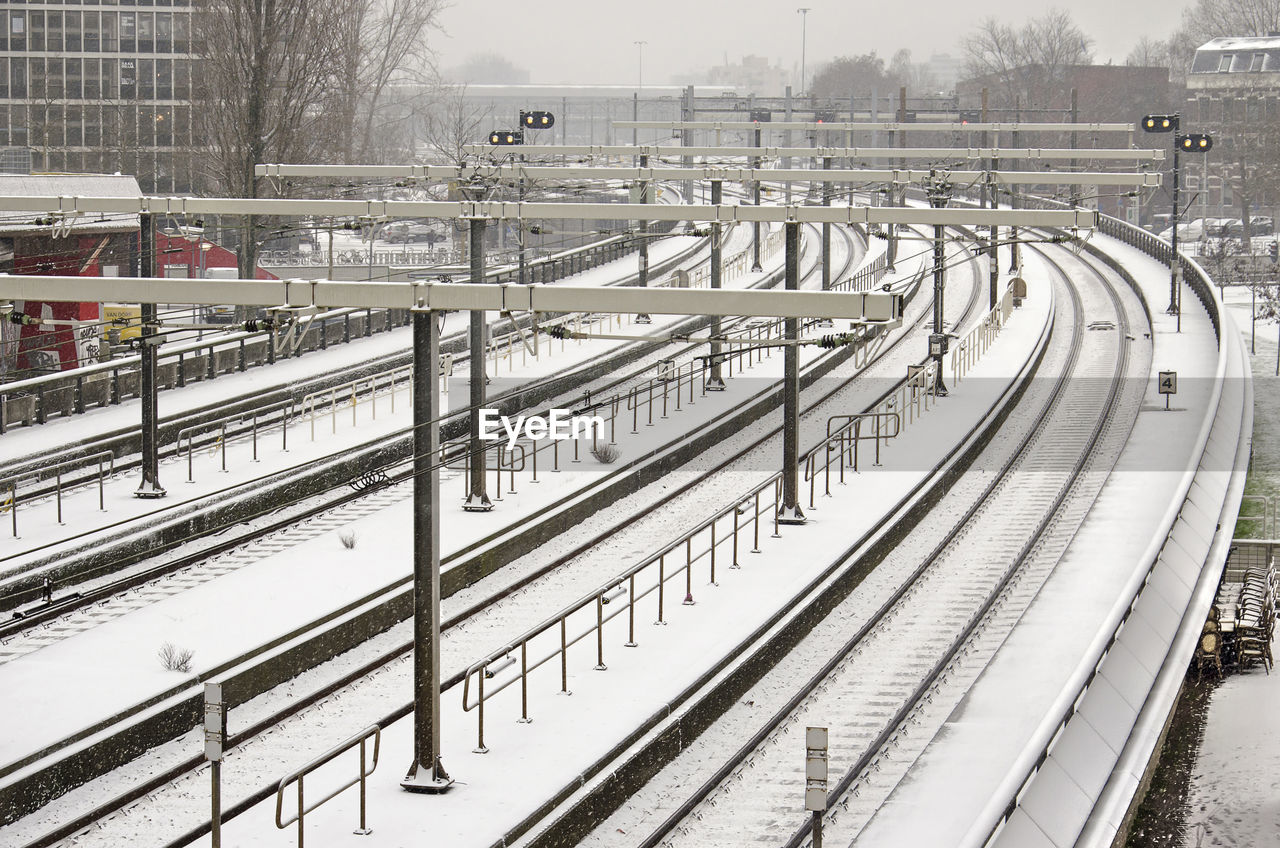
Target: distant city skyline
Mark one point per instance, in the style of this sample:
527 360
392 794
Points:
573 41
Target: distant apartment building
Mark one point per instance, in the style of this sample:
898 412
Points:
100 87
1233 92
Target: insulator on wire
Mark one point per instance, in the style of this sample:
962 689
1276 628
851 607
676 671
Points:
254 325
556 332
369 480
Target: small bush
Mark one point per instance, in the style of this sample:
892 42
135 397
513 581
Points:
348 539
174 658
608 454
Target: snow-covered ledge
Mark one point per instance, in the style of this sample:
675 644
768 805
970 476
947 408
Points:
1158 615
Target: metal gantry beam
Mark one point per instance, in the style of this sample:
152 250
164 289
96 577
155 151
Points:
75 205
516 171
949 153
882 126
329 294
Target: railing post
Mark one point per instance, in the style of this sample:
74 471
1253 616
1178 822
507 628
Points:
600 666
524 683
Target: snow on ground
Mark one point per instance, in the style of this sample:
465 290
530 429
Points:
1234 797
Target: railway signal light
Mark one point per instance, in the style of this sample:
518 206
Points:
1273 250
504 137
1160 123
968 116
537 120
823 115
1195 142
761 116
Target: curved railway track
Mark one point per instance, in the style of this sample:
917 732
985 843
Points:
888 670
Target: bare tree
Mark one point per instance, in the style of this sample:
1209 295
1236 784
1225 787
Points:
451 122
858 75
383 52
266 68
1031 62
1148 52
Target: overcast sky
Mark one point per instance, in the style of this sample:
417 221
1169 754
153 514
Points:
576 41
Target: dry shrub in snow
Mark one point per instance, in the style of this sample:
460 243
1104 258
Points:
174 658
348 539
608 454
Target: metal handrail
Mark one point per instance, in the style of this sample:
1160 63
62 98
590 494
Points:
360 739
287 409
351 391
11 483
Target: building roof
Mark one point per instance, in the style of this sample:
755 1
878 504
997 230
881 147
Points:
1235 55
68 185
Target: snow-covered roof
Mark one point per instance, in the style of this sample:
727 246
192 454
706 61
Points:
1242 42
1238 55
68 185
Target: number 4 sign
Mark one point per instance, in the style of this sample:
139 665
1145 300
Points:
1167 385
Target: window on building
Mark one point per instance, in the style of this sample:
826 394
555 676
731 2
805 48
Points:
73 26
75 79
92 126
36 37
17 31
164 32
164 79
146 79
1256 61
110 32
92 33
53 36
128 33
164 127
55 84
39 80
181 32
17 78
4 124
4 78
18 135
146 32
1224 62
181 79
128 79
92 79
75 126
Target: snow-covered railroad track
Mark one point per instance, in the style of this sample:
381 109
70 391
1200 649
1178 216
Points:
288 703
962 585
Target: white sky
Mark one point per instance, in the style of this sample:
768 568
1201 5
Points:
575 41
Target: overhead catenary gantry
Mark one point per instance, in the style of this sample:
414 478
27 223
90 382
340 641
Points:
884 126
515 171
950 154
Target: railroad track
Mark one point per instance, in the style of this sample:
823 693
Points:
564 388
603 534
890 665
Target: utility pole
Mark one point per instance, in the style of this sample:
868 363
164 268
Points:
477 496
715 382
789 512
643 317
939 191
149 487
755 225
427 773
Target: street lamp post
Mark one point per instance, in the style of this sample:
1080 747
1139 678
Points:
804 20
640 64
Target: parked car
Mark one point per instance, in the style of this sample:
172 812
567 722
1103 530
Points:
404 232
